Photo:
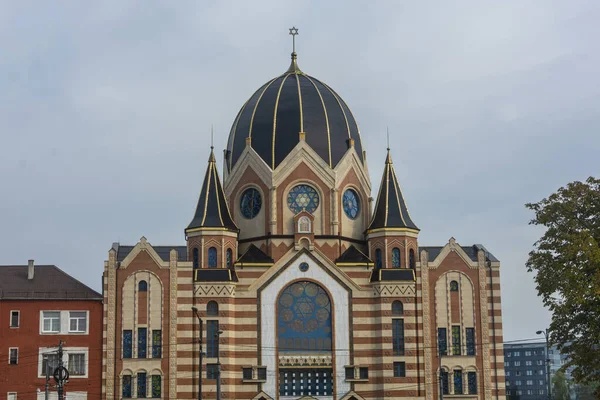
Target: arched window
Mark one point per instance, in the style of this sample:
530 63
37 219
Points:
229 256
212 309
304 225
395 257
397 308
195 257
378 260
143 286
411 259
212 257
454 286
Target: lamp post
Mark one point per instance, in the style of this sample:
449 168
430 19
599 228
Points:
200 329
217 335
545 332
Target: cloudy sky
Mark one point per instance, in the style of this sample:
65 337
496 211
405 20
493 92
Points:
106 107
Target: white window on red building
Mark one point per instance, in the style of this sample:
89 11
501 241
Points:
51 321
78 321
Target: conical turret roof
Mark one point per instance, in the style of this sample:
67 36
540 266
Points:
390 210
212 211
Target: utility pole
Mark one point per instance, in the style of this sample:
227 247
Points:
200 328
217 335
47 376
441 377
546 334
60 367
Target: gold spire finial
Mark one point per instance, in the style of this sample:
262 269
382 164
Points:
212 135
294 66
212 158
388 137
388 159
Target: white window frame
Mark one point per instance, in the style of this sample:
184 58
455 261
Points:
85 328
18 319
10 349
66 352
43 318
10 394
85 363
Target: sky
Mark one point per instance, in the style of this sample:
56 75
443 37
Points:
106 108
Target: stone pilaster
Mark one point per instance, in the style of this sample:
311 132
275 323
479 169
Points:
429 387
485 329
110 324
173 325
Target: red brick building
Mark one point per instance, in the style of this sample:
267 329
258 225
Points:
40 306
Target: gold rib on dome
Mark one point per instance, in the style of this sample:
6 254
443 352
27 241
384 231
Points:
212 211
275 122
300 103
336 97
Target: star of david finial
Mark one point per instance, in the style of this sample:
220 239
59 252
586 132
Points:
293 32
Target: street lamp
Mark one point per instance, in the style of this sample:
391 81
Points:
200 329
217 334
546 333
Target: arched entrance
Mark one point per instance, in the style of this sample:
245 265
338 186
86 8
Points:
304 333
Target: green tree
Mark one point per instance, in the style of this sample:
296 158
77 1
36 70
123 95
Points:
560 387
586 392
566 261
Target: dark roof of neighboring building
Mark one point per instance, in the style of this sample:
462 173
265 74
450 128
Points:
390 209
254 255
162 251
49 283
215 275
353 255
212 210
283 107
471 251
392 274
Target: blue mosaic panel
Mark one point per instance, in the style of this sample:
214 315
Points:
212 340
304 318
351 203
212 257
250 203
156 386
156 343
472 382
127 344
378 259
458 382
411 259
454 286
445 383
456 340
143 286
303 197
195 258
141 384
142 340
397 307
442 341
398 337
395 257
126 386
229 256
470 339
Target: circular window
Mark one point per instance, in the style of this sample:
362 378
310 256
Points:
250 203
304 266
303 197
351 204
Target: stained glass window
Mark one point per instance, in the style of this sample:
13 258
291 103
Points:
398 336
378 260
126 386
156 386
458 382
395 257
445 383
156 343
141 384
456 340
212 341
303 197
411 259
442 341
472 382
229 257
397 307
212 257
351 203
143 286
142 340
250 203
127 344
470 338
212 309
454 286
195 261
304 318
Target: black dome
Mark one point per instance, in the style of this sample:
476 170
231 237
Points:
289 104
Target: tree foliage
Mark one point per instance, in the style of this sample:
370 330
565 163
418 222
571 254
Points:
566 260
560 387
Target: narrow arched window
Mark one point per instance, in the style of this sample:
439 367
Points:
378 260
397 308
212 309
195 257
395 257
143 286
229 256
454 286
212 257
411 259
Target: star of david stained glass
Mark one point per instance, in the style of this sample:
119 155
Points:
250 203
351 205
303 197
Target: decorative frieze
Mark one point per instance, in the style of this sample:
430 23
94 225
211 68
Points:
214 290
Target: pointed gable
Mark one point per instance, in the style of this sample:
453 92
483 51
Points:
212 210
390 210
